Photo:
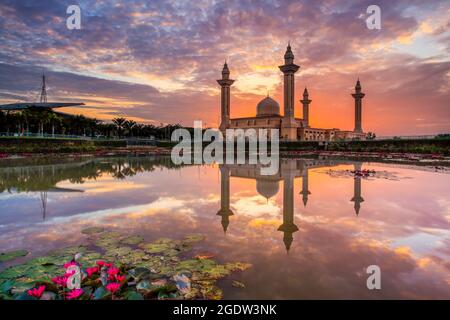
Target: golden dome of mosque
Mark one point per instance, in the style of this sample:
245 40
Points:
267 107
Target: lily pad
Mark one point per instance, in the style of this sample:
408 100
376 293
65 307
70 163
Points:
144 285
132 240
89 258
154 271
115 253
46 260
238 266
237 284
47 295
159 246
132 257
183 283
68 251
133 295
6 286
24 296
87 292
139 273
101 293
196 265
92 230
108 239
192 238
204 255
209 291
11 255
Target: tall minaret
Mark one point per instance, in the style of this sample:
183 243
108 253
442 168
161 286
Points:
225 84
289 125
305 102
225 211
357 199
288 227
358 95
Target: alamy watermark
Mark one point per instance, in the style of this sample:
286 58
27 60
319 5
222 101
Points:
192 150
374 280
374 20
74 20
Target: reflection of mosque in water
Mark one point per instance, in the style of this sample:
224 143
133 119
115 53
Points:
268 186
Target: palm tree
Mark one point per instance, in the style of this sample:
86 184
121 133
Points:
44 118
93 125
28 117
53 118
139 128
106 129
129 125
119 122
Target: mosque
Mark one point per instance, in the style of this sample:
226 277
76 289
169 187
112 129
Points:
290 128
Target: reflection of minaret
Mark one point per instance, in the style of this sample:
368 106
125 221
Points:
288 227
357 199
225 210
305 191
44 203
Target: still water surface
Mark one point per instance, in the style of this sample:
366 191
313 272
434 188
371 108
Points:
309 232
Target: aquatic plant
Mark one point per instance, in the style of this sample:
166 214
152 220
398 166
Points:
160 269
36 292
11 255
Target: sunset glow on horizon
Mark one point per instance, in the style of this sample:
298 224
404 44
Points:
157 62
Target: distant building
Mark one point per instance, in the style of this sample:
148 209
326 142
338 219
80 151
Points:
268 110
41 105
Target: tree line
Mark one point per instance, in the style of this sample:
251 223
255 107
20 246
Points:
48 122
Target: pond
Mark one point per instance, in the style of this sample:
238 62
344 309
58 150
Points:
311 231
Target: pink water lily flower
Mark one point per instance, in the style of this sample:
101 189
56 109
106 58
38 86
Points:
68 264
36 292
75 293
61 281
69 273
120 278
113 271
91 271
100 263
113 287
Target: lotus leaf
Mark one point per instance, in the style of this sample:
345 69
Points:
92 230
132 240
149 270
133 295
11 255
139 273
159 246
237 284
101 293
194 238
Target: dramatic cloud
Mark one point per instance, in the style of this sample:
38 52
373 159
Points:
158 61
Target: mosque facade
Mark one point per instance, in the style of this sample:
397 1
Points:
290 128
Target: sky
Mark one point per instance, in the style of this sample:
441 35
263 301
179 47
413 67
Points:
158 61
